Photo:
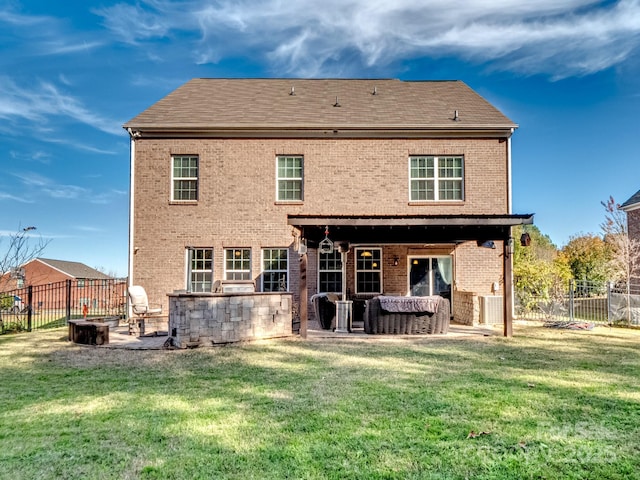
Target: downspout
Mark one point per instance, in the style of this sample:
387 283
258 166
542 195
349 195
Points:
509 188
132 158
508 269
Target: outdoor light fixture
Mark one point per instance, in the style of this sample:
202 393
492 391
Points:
396 260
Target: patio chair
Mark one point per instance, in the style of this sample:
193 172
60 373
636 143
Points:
140 302
142 310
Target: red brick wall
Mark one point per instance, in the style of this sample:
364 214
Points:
38 273
237 206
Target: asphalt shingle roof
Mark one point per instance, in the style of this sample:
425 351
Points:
311 103
632 201
75 269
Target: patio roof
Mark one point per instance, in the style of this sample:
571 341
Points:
408 228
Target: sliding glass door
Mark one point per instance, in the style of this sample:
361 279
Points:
430 276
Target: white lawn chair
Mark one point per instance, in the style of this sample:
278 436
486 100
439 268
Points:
140 302
141 309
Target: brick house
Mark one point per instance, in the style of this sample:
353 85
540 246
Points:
632 208
88 286
250 179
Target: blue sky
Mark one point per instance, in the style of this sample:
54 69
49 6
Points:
72 72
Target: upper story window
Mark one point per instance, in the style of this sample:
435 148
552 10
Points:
368 270
237 264
184 178
275 270
289 178
200 276
434 178
330 272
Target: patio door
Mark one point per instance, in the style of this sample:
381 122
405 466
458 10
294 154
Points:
430 276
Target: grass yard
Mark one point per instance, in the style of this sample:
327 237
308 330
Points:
545 404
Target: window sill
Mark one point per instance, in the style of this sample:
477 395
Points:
435 202
291 202
183 202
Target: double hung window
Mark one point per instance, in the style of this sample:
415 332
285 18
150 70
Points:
275 270
289 178
330 272
200 276
368 270
184 178
436 178
237 264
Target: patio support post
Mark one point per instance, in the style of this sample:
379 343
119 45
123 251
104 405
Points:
508 284
303 296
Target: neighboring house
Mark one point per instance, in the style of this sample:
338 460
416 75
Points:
88 285
244 179
632 209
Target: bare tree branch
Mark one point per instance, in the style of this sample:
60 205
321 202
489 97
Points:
625 259
19 248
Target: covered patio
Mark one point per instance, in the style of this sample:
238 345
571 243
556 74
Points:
410 235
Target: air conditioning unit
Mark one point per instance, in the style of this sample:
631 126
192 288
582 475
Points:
491 309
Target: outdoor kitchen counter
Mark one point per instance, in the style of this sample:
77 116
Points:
216 318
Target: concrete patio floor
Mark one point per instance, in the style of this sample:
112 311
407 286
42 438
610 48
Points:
119 337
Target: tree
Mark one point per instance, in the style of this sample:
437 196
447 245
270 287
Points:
21 248
540 272
625 251
588 257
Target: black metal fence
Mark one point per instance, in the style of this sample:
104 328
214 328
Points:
597 302
53 305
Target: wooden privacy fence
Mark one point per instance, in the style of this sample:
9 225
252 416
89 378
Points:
53 305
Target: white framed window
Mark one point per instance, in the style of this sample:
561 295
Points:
237 264
368 270
275 270
200 270
330 272
184 178
289 178
436 178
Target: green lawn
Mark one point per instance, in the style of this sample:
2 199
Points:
544 404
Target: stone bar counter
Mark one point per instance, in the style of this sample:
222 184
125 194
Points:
205 319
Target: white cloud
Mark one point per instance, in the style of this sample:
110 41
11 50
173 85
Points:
42 103
309 38
88 228
15 198
106 197
45 35
36 156
35 183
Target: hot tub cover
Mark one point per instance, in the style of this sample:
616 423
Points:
409 304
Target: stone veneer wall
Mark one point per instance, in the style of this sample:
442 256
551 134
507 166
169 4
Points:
199 319
466 308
